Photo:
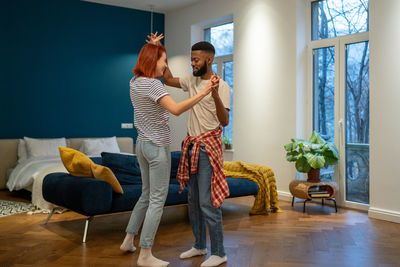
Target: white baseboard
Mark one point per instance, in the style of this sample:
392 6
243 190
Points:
386 215
285 196
380 214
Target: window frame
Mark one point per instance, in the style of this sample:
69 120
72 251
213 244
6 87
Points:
220 60
339 44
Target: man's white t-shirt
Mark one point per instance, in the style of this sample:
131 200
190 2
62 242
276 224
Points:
203 116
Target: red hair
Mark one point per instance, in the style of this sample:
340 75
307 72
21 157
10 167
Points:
147 60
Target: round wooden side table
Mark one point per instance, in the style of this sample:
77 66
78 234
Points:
309 191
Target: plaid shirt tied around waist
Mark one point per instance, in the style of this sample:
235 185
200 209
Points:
213 143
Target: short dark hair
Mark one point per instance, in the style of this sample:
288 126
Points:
204 46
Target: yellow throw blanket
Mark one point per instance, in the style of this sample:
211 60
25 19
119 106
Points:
267 196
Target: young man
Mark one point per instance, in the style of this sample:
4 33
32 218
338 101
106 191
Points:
202 155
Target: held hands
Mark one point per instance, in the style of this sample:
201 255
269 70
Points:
215 84
154 39
212 85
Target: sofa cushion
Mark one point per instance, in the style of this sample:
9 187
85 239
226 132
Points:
175 158
78 164
97 160
174 198
105 174
241 187
84 195
127 170
121 163
128 200
125 178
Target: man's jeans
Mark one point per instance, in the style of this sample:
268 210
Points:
201 209
155 165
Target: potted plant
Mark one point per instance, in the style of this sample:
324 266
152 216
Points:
311 155
227 142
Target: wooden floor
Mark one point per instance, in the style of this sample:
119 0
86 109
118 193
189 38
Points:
319 237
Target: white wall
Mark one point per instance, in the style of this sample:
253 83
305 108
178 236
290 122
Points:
385 109
264 76
270 77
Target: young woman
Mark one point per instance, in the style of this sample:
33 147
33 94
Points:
152 105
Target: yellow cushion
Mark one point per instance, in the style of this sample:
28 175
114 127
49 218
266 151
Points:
105 174
78 164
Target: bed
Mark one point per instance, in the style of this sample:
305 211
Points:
17 172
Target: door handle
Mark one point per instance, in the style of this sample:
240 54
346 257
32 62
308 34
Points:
341 129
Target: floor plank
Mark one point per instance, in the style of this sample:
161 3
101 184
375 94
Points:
319 237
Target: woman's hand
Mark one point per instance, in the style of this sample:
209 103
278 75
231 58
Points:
215 83
154 39
212 84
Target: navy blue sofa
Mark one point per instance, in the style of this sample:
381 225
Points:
91 197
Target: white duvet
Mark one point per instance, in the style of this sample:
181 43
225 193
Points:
25 172
31 172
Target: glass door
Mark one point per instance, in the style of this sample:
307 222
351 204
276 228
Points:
357 122
340 92
340 113
324 100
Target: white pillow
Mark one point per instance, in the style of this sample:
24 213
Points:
94 146
22 153
44 147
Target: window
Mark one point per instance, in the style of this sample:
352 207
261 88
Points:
221 36
332 18
340 81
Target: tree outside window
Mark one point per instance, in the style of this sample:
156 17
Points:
334 21
221 37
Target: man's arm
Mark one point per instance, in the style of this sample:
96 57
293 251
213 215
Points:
154 39
170 80
222 112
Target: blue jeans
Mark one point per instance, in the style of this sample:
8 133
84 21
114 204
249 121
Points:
155 165
201 209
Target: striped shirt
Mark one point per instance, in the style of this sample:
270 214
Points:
150 118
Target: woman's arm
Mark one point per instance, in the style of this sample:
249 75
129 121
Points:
178 108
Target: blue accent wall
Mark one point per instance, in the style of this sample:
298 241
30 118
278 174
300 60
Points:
65 67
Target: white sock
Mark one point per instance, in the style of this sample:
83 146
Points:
214 260
193 252
127 244
147 259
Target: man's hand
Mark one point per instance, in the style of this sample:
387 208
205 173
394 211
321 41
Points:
222 112
215 84
212 85
154 39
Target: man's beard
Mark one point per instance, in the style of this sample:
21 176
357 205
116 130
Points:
201 71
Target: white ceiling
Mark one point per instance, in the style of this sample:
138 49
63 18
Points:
161 6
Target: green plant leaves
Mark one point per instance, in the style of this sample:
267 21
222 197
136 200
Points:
315 146
331 161
292 156
289 147
332 150
313 153
302 165
317 139
226 140
316 161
